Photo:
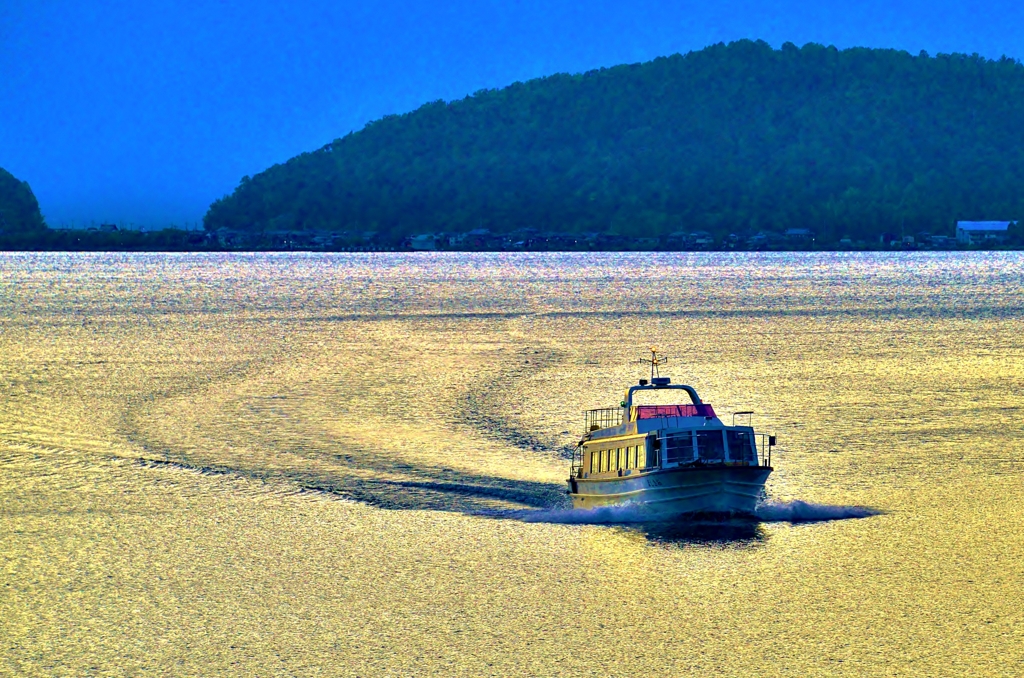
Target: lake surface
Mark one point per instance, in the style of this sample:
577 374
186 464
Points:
354 465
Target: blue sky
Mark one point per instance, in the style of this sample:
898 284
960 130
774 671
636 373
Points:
145 112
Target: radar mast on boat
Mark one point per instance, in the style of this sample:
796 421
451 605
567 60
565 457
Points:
655 361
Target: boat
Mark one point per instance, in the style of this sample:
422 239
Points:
669 460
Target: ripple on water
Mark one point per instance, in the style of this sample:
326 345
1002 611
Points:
353 464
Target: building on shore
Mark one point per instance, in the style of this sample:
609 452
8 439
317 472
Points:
982 232
799 234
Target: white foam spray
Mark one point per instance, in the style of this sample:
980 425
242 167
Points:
804 512
602 515
770 511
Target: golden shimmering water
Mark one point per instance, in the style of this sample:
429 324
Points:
344 465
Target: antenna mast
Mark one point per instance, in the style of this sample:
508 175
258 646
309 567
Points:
655 361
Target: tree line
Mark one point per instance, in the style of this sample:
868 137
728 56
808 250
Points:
19 209
735 138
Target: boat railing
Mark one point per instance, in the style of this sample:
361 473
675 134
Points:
576 470
765 449
604 417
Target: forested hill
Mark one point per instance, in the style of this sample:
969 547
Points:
733 138
19 210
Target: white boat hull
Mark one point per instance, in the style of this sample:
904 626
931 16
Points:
663 493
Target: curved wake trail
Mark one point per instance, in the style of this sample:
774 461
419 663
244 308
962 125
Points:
770 512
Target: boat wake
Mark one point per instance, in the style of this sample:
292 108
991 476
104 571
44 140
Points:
805 512
768 512
604 515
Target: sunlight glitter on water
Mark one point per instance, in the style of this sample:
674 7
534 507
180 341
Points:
297 464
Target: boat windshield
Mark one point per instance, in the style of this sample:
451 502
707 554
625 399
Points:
656 411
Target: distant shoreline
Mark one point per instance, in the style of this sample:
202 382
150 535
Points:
176 240
221 250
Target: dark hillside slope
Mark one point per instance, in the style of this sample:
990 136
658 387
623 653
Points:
19 210
734 138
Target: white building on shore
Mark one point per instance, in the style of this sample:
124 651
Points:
979 232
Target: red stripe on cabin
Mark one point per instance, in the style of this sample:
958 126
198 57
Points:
656 411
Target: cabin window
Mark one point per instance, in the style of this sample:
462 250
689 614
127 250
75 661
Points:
679 448
595 461
604 460
639 455
741 446
711 446
618 459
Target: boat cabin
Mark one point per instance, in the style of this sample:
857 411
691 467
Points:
631 439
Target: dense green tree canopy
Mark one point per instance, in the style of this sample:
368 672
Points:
733 138
19 211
